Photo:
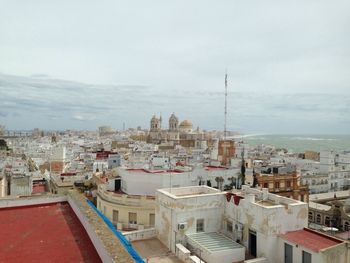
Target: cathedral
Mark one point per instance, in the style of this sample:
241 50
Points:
175 133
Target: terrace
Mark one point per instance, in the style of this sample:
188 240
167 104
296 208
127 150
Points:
56 228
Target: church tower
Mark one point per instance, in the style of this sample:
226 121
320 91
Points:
155 124
173 133
173 123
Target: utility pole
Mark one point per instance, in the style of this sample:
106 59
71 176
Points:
225 130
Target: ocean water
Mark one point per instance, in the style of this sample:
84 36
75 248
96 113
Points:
300 143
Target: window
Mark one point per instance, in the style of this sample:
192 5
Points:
327 221
277 185
306 257
302 198
318 218
115 216
311 216
229 226
200 225
151 219
288 183
266 185
132 218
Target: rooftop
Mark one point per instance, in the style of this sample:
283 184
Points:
329 196
213 242
310 239
154 251
190 191
154 171
211 167
52 221
44 232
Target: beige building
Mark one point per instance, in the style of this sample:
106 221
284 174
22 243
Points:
177 133
127 212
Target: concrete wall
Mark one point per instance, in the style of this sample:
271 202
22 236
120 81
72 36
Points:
170 212
21 186
100 248
6 202
267 221
3 186
182 252
140 234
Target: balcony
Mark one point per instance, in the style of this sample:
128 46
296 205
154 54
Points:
125 199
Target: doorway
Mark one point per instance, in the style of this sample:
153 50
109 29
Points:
288 253
252 243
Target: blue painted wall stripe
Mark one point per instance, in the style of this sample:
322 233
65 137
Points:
119 235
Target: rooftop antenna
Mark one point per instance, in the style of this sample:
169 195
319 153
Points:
225 130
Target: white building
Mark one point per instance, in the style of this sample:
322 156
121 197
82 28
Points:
193 216
203 219
146 182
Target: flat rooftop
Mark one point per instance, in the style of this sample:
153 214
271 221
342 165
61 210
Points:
190 191
160 171
154 251
329 196
310 239
47 232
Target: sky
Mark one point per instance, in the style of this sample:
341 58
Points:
82 64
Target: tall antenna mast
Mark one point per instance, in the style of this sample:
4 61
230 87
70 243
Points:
225 130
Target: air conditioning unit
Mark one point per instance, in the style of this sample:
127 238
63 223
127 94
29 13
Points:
182 226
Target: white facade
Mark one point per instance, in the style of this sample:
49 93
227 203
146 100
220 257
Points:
146 182
266 216
58 154
180 212
100 165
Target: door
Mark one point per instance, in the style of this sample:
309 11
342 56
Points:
288 253
252 243
117 185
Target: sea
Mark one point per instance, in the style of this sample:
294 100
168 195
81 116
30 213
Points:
300 143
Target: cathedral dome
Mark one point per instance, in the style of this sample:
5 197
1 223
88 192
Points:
186 124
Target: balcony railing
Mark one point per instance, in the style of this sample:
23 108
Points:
124 199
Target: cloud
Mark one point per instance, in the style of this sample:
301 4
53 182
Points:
83 118
3 114
287 63
58 103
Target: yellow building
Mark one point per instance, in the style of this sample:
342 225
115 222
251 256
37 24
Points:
127 212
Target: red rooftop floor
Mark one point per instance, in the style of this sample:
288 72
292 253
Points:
311 239
44 233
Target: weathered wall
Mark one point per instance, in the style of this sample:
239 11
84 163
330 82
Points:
170 212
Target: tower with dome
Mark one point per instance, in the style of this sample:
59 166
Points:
177 132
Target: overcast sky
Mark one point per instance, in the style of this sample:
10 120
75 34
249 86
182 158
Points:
80 64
